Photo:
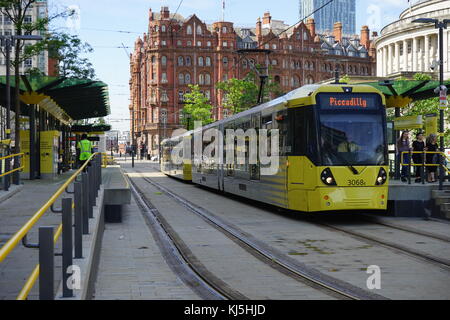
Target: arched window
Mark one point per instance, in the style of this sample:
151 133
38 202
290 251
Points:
199 30
274 62
153 59
224 29
244 63
200 61
207 79
188 61
208 61
181 78
164 60
225 60
180 61
201 79
163 28
187 78
179 43
189 30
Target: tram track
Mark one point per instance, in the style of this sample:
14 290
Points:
179 257
271 256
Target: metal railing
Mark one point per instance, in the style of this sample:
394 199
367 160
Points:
7 166
85 192
423 164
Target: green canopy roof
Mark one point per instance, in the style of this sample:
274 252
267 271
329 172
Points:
74 98
400 92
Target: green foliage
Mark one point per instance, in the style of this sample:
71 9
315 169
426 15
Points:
196 108
241 95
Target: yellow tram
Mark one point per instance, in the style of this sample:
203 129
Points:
331 153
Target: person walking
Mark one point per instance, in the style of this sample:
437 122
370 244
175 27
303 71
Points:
85 147
418 145
403 144
432 158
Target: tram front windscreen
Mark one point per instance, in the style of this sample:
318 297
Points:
352 129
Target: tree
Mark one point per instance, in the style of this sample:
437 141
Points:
241 95
66 50
196 108
16 11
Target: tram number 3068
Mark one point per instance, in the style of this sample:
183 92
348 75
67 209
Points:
356 182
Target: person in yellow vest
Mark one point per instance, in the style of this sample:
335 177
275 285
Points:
85 147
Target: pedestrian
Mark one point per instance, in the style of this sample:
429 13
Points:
85 147
418 145
403 145
432 158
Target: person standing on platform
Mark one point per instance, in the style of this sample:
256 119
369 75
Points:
403 145
419 146
85 147
432 158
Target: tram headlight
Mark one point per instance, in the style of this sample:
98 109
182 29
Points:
382 177
327 177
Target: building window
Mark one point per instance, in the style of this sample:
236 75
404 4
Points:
274 46
188 61
208 61
189 30
187 78
199 30
201 79
274 62
199 43
208 94
163 42
163 28
244 63
208 43
179 43
164 60
163 77
180 61
225 61
224 30
200 61
225 44
189 43
28 19
28 63
181 78
180 96
207 79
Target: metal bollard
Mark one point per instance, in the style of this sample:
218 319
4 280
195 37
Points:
85 192
409 167
67 246
78 199
100 170
46 264
91 192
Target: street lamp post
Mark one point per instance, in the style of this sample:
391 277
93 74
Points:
7 42
441 90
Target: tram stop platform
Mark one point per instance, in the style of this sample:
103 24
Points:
418 200
21 202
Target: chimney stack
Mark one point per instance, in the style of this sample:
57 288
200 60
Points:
311 25
365 37
267 18
165 13
258 28
337 31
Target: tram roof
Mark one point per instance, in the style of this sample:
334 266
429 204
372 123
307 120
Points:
67 99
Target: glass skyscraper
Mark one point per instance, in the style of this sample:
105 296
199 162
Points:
343 11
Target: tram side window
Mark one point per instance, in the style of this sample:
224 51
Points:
282 124
302 133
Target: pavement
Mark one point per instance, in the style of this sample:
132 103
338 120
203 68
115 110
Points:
16 208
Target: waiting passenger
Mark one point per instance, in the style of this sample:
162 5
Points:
432 158
419 146
403 145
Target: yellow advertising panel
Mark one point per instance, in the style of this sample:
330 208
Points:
408 122
431 124
25 148
49 153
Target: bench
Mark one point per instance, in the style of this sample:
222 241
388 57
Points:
117 192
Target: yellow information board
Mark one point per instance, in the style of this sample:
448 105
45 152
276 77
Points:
431 124
408 122
49 153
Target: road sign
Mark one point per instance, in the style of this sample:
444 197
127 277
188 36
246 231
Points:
443 102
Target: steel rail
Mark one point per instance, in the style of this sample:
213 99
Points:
296 269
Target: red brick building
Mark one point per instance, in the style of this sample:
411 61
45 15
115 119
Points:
176 52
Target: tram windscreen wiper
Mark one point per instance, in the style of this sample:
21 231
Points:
348 164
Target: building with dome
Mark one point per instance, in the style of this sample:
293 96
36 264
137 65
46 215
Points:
405 48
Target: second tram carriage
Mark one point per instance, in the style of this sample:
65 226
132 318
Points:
333 151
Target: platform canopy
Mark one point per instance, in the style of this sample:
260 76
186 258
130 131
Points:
399 93
67 99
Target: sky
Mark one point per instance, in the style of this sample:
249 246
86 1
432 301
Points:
110 25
